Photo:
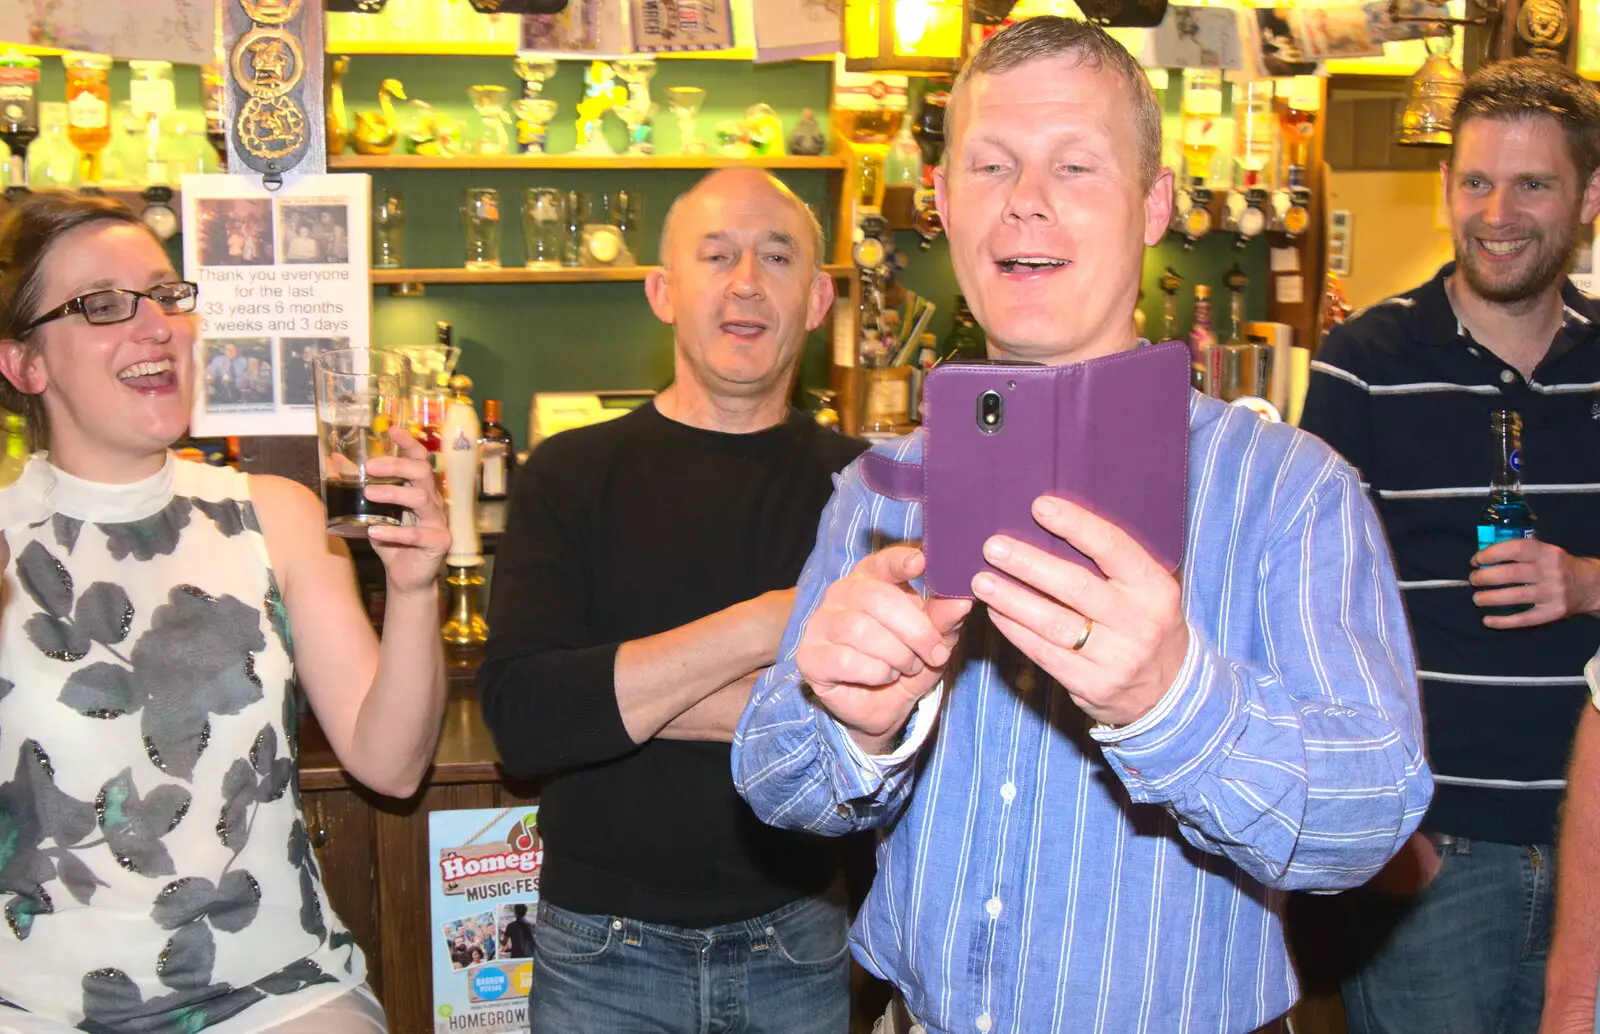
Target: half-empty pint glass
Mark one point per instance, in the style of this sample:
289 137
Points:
361 393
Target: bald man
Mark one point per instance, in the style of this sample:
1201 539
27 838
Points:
642 585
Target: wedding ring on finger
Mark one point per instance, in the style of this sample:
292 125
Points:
1083 637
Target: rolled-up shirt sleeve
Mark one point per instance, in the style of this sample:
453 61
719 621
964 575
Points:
1304 764
796 766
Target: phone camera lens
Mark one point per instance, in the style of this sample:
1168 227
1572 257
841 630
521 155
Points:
991 412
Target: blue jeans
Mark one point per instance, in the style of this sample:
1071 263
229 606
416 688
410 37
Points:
1465 956
787 972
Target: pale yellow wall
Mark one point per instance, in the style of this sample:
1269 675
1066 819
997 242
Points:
1396 244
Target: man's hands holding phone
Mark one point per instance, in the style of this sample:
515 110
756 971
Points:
1115 643
874 646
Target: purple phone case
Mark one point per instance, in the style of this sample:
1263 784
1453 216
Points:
1111 434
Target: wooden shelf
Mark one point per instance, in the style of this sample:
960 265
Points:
521 275
369 162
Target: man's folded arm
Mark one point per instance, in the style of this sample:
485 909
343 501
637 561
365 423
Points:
794 764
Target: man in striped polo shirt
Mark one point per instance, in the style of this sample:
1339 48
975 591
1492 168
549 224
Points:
1453 936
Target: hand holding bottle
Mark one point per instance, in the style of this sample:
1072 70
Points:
1546 580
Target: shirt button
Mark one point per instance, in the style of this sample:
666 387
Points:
1472 351
843 810
1507 377
1008 792
984 1022
1025 681
992 906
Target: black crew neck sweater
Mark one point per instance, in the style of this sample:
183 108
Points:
617 532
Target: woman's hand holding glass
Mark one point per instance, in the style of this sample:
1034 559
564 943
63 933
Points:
412 551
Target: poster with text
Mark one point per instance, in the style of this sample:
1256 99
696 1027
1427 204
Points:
789 29
483 887
584 28
283 276
675 26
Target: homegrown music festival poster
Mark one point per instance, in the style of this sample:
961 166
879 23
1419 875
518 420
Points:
483 885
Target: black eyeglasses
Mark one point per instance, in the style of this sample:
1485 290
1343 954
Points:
118 306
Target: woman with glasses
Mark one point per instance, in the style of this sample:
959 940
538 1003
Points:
155 870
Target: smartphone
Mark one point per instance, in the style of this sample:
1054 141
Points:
1111 434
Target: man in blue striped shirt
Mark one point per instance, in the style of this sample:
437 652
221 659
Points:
1405 391
1095 791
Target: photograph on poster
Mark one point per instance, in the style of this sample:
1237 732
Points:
516 929
238 373
295 355
1279 52
236 232
470 940
314 233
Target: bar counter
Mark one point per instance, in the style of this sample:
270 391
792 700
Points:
374 849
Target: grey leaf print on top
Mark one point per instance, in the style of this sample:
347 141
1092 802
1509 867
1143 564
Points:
297 976
6 686
134 826
238 794
80 881
100 690
66 529
276 772
104 613
311 919
156 535
227 514
49 585
112 1005
45 580
185 963
32 811
194 661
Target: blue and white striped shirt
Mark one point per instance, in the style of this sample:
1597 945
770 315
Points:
1037 874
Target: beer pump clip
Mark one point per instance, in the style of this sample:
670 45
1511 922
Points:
1191 211
1248 217
1292 204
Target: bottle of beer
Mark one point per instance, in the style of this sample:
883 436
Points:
1508 515
497 457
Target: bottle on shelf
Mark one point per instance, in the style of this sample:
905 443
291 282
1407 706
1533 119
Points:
19 111
88 110
52 160
497 457
1239 368
904 165
966 339
1171 284
1201 336
16 454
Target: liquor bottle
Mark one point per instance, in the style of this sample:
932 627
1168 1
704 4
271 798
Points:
1239 368
1201 336
497 457
1171 284
16 455
966 339
1508 515
19 110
